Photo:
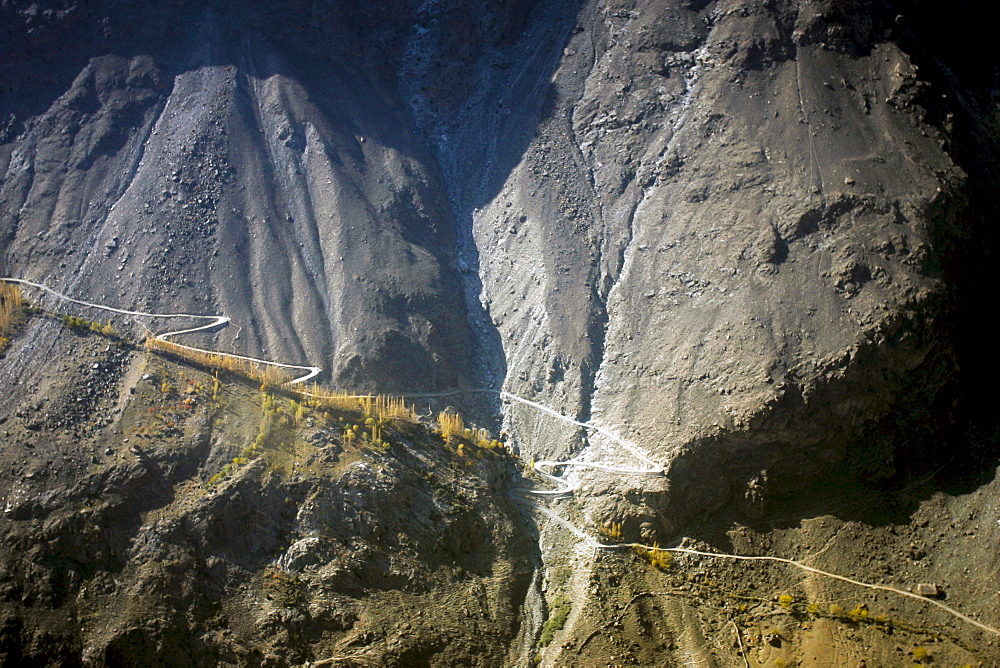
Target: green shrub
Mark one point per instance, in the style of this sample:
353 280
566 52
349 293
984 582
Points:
556 621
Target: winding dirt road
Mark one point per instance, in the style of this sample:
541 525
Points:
214 321
563 487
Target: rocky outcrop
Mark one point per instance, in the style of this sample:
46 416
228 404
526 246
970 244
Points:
173 518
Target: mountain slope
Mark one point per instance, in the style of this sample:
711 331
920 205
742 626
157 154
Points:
215 168
751 239
738 230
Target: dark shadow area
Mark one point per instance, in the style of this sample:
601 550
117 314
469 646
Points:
941 435
842 491
961 103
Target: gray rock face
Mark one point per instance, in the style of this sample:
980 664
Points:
221 167
733 231
731 236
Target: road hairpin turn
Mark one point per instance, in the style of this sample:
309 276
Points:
543 467
213 322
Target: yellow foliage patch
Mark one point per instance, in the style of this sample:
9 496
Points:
11 304
265 374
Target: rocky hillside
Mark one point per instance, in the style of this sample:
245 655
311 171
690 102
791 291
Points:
741 231
152 510
216 158
752 238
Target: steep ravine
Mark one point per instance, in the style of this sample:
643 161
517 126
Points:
729 235
723 212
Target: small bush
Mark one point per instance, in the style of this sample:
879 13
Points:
556 621
859 613
284 588
612 530
656 556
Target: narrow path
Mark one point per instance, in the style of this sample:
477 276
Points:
565 487
522 495
214 321
654 468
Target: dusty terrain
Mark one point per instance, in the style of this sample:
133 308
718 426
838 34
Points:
754 239
693 609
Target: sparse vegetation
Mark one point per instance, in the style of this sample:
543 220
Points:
270 417
611 530
656 556
556 621
11 311
301 412
382 408
80 324
284 588
368 433
265 374
450 424
858 613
